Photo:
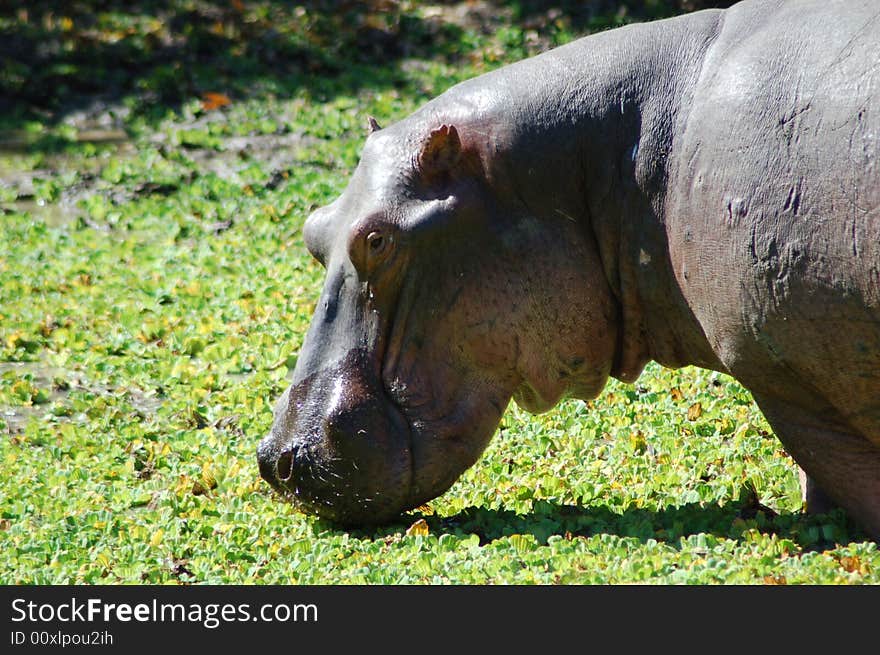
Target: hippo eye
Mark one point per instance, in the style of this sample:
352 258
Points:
370 247
376 243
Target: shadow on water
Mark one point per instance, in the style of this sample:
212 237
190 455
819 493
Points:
603 14
667 525
731 520
63 57
60 58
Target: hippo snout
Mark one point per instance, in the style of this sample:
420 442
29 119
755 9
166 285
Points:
340 449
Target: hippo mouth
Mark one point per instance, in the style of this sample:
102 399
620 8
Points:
340 447
346 449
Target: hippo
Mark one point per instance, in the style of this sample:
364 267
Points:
701 190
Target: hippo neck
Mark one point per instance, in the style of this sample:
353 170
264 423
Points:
653 86
614 103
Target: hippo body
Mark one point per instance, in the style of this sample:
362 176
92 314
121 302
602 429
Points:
702 190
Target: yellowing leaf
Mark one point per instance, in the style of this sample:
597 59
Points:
418 529
156 539
522 543
14 339
184 484
741 430
695 411
638 442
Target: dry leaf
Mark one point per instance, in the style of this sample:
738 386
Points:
851 564
211 100
200 489
695 411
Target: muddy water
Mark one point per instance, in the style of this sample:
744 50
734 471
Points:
23 167
53 214
21 142
43 376
19 177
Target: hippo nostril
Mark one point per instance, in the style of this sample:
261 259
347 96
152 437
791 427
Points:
284 466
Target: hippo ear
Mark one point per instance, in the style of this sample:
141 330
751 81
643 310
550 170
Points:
372 125
441 151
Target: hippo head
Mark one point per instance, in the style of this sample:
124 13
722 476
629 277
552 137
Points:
446 294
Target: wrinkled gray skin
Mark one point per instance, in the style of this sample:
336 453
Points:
702 190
